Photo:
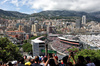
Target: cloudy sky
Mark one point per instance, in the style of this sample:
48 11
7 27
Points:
33 6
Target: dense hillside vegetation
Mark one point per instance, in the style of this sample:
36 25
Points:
51 14
12 14
66 14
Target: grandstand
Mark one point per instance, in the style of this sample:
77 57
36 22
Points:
70 42
61 44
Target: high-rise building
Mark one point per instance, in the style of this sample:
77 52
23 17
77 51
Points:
27 29
83 19
48 27
20 28
35 28
78 23
32 29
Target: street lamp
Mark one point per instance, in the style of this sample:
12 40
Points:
46 47
46 42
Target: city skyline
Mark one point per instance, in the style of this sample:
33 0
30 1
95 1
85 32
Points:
34 6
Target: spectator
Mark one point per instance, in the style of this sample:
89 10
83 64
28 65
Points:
97 62
28 62
65 62
51 60
14 63
44 61
0 63
4 64
32 61
88 61
80 61
64 59
36 61
21 62
10 64
61 61
56 58
40 59
25 58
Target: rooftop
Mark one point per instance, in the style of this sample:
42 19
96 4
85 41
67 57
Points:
14 31
37 41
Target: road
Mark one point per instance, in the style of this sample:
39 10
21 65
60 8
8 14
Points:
59 55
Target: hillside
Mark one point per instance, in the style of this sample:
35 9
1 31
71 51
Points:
90 16
52 14
12 14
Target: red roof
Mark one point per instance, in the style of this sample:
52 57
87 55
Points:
14 36
70 42
14 31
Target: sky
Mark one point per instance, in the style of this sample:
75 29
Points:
35 6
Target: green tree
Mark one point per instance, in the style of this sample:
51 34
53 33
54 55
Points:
32 38
73 49
27 47
93 54
8 51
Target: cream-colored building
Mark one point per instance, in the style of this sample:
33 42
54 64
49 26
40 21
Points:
20 28
35 28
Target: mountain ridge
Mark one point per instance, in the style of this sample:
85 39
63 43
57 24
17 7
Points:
52 13
64 13
12 14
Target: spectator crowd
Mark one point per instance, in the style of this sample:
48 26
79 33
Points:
60 46
51 60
